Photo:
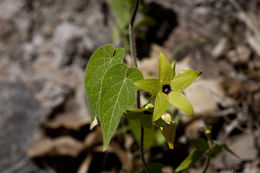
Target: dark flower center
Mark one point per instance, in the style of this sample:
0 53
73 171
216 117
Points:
166 89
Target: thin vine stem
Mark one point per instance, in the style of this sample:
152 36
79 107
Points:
134 63
207 165
132 35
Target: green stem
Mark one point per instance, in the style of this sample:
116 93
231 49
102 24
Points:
207 165
211 143
132 35
134 57
146 167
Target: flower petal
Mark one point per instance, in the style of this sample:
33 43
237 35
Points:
161 104
149 85
184 79
180 101
165 70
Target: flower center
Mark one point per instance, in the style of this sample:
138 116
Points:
166 89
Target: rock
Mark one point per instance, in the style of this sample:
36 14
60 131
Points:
252 167
149 65
244 146
220 48
256 103
240 55
206 94
62 146
20 117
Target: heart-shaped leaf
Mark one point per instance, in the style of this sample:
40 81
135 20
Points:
118 95
100 61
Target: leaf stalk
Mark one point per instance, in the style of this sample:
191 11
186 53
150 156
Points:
134 63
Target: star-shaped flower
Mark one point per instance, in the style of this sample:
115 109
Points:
168 88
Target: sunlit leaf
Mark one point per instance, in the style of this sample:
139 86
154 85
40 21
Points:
180 101
149 85
161 104
194 156
100 61
118 95
184 79
165 70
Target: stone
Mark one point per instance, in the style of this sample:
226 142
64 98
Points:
20 117
243 145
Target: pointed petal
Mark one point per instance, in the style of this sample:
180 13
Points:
149 85
161 104
180 101
184 79
165 70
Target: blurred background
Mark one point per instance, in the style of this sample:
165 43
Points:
44 49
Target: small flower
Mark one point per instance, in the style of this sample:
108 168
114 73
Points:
168 88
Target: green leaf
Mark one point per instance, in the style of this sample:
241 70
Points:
150 85
180 101
218 148
229 150
200 144
143 114
155 168
100 61
134 114
161 104
165 70
194 156
146 120
184 79
118 95
122 12
149 134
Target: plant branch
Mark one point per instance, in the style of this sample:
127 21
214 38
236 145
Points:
134 63
207 165
132 35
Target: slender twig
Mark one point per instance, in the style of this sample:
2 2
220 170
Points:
132 35
146 167
207 165
134 63
211 145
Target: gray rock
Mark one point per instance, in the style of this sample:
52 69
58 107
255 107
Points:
20 116
244 146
